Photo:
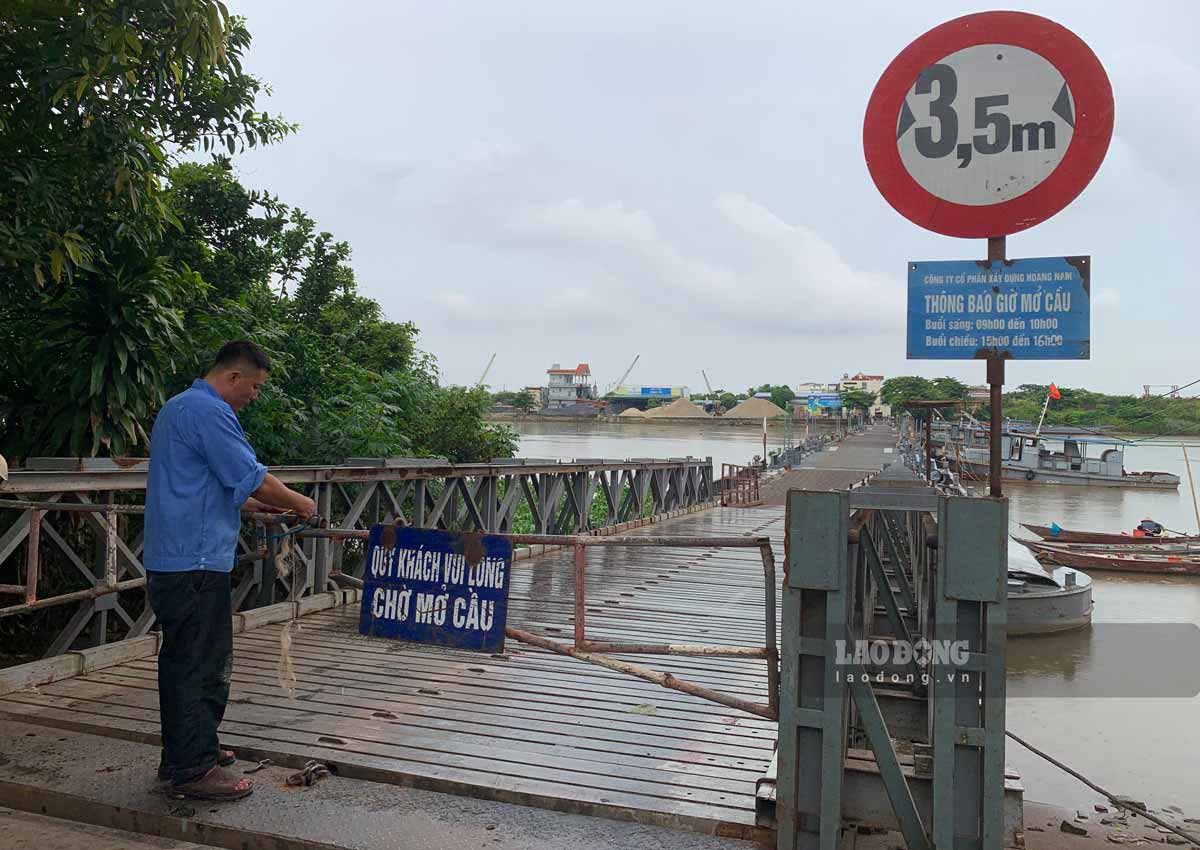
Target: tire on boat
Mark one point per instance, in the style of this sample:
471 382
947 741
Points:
1029 475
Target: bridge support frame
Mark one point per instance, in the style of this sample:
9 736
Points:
941 582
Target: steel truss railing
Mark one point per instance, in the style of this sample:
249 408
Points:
88 520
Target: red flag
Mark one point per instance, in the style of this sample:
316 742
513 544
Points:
1054 393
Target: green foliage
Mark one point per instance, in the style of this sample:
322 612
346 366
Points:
92 360
519 399
949 388
781 394
1121 413
346 382
896 391
451 424
99 97
729 400
857 399
94 293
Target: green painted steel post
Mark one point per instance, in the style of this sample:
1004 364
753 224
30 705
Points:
968 714
813 710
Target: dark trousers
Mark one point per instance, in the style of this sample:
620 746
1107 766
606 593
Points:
194 666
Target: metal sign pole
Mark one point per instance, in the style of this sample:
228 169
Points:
995 379
929 444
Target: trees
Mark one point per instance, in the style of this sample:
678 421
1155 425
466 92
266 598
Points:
123 266
857 399
781 394
896 391
520 400
949 388
100 97
99 100
1120 413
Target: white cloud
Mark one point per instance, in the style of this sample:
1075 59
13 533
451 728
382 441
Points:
587 180
765 274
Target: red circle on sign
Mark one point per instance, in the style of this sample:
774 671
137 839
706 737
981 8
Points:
1093 104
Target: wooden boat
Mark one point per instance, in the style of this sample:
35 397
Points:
1065 535
1092 558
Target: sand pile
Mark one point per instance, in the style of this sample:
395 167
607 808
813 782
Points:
756 408
681 408
631 411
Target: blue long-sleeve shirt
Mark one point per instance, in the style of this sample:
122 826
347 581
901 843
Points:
202 470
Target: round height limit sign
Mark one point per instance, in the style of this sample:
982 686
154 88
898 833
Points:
988 124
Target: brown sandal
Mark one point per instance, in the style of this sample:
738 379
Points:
225 759
216 785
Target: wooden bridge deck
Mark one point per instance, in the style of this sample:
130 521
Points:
527 726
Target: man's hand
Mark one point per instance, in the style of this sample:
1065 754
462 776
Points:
274 492
305 507
253 505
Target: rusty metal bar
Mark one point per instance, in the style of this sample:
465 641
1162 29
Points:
80 507
771 647
739 485
33 563
573 539
580 592
647 540
76 507
691 649
91 593
664 679
995 379
67 598
110 549
130 478
929 445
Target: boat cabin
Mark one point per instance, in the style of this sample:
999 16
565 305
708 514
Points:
1064 454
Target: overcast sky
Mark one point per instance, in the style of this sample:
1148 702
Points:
568 181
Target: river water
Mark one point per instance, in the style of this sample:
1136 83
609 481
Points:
1145 744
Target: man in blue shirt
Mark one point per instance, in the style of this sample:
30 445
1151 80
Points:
202 474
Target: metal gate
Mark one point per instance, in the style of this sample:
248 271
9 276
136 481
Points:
893 666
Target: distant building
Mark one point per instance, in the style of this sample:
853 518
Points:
979 393
568 387
867 383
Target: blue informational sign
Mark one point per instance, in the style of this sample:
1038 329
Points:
656 390
437 587
1032 309
831 401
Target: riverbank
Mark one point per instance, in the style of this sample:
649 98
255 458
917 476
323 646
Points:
815 426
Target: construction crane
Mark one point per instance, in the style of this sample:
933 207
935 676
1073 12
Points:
1147 390
486 369
621 380
707 384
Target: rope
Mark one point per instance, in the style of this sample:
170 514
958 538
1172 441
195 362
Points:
1119 802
